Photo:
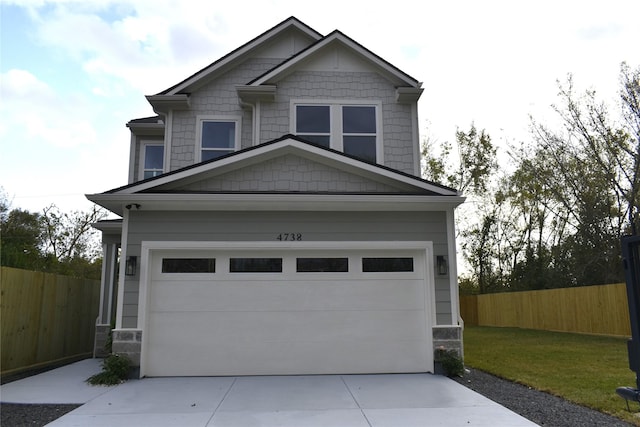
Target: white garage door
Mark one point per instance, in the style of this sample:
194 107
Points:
267 312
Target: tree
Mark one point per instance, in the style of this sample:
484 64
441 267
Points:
69 235
555 220
475 165
471 173
591 168
630 102
21 239
69 241
605 150
53 241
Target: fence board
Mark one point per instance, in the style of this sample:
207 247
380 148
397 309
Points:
590 309
45 318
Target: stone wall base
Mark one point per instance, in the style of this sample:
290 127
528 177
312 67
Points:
448 338
128 342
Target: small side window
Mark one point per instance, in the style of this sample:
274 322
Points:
218 139
383 265
188 265
152 160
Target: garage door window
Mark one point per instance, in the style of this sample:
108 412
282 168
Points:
322 265
188 265
382 265
255 265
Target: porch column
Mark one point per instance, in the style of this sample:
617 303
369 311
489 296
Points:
108 293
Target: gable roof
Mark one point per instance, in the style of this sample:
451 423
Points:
177 97
393 73
239 53
175 187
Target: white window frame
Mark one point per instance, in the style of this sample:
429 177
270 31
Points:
143 148
335 116
200 119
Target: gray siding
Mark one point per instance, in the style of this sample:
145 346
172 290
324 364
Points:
217 98
265 226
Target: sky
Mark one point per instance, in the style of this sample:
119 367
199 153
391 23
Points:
73 73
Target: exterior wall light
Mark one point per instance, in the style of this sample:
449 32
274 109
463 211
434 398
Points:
130 266
442 265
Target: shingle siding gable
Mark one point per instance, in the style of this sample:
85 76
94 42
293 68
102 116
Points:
291 173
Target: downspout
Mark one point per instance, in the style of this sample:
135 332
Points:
132 157
168 137
254 133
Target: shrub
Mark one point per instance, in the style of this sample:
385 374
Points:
451 362
115 370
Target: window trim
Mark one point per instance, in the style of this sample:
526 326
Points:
335 117
142 153
200 119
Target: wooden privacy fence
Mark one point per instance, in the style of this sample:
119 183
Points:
590 309
45 318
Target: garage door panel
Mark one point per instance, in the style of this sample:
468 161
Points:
291 350
295 359
328 326
225 323
268 295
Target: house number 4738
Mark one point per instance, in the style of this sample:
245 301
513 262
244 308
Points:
289 237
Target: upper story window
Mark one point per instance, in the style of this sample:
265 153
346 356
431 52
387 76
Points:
217 136
348 127
313 122
359 132
152 155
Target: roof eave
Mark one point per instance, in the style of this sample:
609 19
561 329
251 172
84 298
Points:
408 95
118 203
162 104
252 94
146 129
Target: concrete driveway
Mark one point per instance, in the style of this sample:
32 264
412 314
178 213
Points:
323 400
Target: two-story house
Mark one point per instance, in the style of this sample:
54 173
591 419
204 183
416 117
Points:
275 221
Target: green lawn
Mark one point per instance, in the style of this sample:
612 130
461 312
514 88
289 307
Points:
585 369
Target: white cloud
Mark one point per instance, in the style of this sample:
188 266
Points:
47 137
492 62
34 112
21 83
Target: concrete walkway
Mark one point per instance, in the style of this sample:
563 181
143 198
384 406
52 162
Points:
301 401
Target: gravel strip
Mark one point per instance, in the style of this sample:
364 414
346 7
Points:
539 407
19 414
542 408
